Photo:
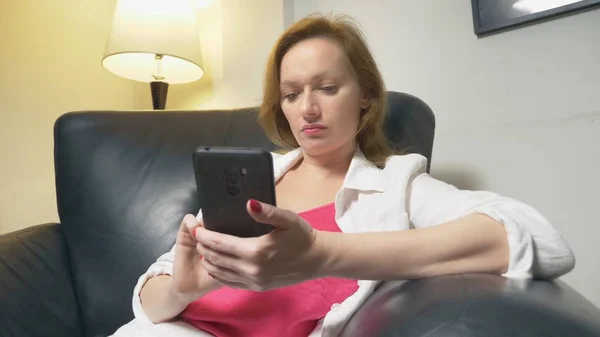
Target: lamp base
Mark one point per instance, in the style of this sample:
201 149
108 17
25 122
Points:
159 94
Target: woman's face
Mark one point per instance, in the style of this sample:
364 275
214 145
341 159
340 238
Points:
320 96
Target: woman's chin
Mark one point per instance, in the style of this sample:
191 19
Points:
315 147
319 147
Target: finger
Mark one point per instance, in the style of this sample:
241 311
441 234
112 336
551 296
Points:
185 234
224 243
189 222
271 215
220 259
220 273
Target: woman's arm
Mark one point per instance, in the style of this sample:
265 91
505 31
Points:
455 232
536 248
473 244
295 252
160 301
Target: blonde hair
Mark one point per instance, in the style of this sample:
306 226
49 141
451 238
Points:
341 29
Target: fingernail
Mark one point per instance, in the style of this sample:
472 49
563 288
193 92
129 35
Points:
255 206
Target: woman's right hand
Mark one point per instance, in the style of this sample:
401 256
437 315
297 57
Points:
189 279
163 297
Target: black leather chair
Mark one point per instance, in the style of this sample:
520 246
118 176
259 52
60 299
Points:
124 181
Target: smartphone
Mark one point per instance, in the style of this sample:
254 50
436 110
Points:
226 178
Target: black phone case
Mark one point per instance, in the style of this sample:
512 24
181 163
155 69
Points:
226 179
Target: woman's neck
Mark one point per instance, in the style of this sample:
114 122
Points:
332 163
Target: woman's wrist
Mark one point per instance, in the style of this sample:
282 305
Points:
325 254
181 298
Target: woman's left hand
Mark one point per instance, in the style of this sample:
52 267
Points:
287 255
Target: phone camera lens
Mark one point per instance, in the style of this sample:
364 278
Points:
233 190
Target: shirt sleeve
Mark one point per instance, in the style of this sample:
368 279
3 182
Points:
537 249
162 266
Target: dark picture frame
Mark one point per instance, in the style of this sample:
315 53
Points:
494 16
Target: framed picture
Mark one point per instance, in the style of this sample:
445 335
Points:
492 16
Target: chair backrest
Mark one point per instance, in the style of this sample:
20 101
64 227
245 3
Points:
124 181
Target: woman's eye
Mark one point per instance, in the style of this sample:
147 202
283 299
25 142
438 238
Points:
329 89
291 96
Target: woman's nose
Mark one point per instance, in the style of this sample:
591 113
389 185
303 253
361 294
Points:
309 104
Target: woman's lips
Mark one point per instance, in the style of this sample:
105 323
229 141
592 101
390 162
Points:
313 129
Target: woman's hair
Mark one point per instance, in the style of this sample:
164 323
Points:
341 29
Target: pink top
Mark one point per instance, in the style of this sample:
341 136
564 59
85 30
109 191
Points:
292 311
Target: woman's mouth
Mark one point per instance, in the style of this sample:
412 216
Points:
313 129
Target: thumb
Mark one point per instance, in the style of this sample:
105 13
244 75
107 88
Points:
271 215
185 237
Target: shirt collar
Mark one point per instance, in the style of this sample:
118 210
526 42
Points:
362 174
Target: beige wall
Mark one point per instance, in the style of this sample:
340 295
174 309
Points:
517 113
236 36
49 64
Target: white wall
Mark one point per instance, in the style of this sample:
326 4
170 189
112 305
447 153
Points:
517 113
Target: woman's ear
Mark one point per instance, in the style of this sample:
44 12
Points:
365 102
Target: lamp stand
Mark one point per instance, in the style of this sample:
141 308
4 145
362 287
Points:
159 94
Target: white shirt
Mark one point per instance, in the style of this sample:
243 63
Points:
402 196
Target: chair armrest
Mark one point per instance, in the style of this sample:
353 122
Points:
36 292
475 305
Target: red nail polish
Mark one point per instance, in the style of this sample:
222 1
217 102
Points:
255 206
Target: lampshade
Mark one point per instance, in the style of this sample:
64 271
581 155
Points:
143 29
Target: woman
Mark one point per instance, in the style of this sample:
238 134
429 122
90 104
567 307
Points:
345 207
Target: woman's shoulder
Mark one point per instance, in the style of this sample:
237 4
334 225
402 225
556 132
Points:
405 160
405 165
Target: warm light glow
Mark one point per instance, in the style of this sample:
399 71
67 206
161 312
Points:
141 67
141 29
534 6
203 3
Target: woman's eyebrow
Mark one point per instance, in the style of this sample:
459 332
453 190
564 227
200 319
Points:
315 77
288 83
